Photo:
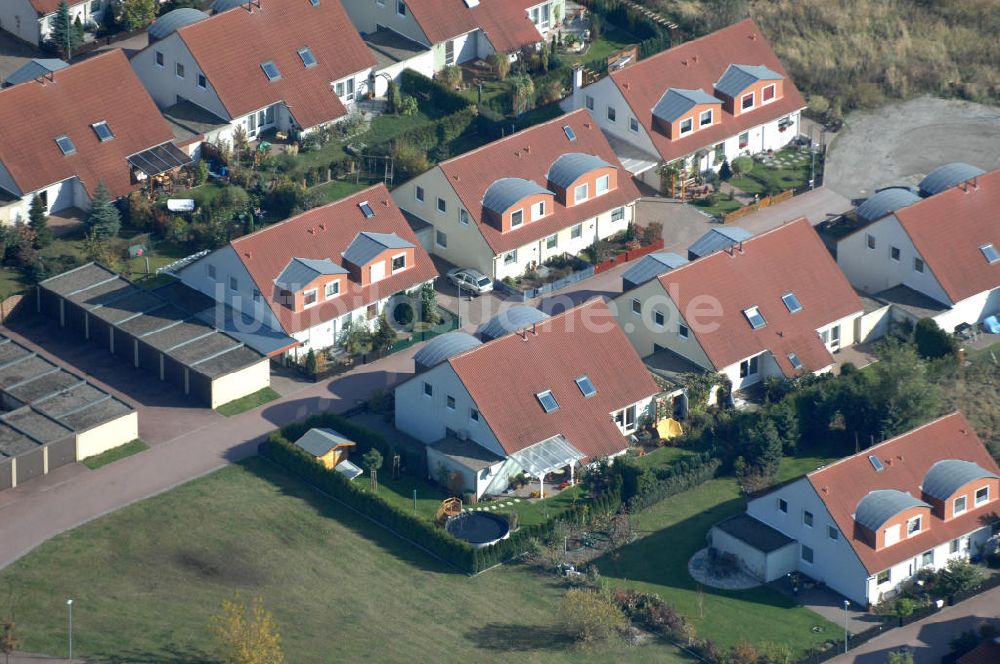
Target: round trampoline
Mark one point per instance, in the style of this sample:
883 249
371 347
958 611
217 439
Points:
478 528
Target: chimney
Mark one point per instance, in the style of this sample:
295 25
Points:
684 62
694 59
741 246
753 36
247 254
322 227
524 334
533 332
311 231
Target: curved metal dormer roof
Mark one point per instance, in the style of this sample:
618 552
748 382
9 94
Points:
443 347
880 506
948 476
947 176
885 202
568 168
505 192
220 6
173 21
510 320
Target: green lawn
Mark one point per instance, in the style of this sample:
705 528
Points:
205 194
249 402
334 190
11 282
673 530
612 39
776 177
146 579
722 206
115 453
664 456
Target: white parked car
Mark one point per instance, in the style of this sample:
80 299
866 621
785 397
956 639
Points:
470 280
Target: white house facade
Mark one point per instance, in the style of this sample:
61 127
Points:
31 20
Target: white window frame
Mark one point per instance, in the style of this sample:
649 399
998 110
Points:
463 216
510 257
606 180
160 60
618 214
552 241
919 521
808 518
305 296
450 402
393 269
954 505
743 98
538 210
588 101
636 306
516 218
986 498
918 264
633 125
611 114
400 8
701 118
659 318
442 206
438 235
234 284
418 194
576 232
683 331
782 505
202 81
179 70
763 94
428 390
895 253
335 285
474 414
690 126
585 187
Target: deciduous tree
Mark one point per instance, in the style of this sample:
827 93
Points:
246 634
589 617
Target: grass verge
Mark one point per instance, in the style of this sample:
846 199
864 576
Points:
146 580
114 454
249 402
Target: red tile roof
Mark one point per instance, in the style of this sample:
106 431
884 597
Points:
267 252
987 652
906 460
103 87
505 23
44 7
948 230
699 64
503 376
276 32
790 258
528 154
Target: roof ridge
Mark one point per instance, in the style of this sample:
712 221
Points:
896 438
562 118
727 29
299 216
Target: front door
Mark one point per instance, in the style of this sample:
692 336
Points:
831 338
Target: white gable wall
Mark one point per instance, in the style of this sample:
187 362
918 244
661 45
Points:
165 86
20 19
367 15
834 561
227 264
427 417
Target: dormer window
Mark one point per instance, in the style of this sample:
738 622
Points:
332 289
538 210
746 101
309 298
103 131
308 59
959 505
990 252
516 218
399 262
686 126
66 145
791 302
548 401
767 94
581 193
705 118
913 526
603 184
271 71
982 495
755 318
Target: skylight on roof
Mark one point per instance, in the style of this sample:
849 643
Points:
314 3
755 317
271 71
586 386
471 3
549 403
65 144
570 134
103 131
990 252
796 362
366 209
876 463
308 59
792 302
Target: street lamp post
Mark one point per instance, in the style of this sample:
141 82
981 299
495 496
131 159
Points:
847 603
69 606
458 282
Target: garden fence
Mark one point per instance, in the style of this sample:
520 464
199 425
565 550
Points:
629 255
531 293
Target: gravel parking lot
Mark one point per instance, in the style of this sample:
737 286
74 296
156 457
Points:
900 143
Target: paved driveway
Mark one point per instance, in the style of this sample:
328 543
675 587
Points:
900 143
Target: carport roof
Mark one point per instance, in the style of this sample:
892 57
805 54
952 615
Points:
168 321
754 533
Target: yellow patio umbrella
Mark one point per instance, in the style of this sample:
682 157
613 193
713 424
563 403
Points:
669 428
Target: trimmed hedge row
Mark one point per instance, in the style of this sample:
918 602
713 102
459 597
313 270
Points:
439 132
643 487
437 541
428 90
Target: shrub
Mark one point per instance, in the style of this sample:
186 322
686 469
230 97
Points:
451 76
402 314
501 65
441 99
742 165
408 106
589 617
933 342
725 171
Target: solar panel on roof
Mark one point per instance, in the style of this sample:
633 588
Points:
271 71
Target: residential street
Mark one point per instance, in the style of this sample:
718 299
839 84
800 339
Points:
928 639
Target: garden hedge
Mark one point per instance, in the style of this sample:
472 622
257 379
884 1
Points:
425 89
